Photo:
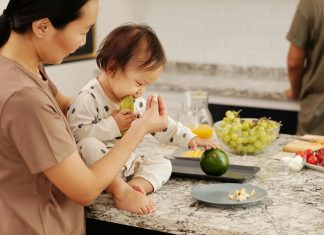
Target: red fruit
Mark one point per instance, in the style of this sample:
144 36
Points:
321 151
302 154
312 160
308 153
319 156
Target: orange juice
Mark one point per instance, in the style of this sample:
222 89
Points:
203 131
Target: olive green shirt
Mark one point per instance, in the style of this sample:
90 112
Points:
307 32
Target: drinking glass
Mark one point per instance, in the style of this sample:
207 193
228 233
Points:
195 113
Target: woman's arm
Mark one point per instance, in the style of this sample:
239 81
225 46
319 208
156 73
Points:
296 67
83 184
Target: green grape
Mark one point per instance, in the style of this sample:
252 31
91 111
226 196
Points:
263 138
245 140
230 115
234 136
227 120
239 148
252 139
225 131
263 122
250 148
245 133
260 148
237 120
233 143
245 125
227 138
239 140
236 126
258 144
252 132
259 128
228 126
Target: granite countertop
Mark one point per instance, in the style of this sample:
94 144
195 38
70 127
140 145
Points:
294 204
226 81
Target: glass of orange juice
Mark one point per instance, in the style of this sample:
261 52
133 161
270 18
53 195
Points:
203 131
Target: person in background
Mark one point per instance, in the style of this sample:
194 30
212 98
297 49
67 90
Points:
44 183
130 58
306 65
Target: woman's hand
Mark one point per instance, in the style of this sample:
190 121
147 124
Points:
155 117
290 94
198 142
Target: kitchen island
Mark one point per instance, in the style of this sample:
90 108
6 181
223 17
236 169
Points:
294 204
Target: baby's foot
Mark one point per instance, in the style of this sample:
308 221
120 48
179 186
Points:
137 187
134 201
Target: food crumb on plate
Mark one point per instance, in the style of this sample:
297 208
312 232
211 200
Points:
241 195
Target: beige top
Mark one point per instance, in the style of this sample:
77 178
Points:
307 32
34 136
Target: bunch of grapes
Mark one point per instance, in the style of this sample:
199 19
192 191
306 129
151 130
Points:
246 135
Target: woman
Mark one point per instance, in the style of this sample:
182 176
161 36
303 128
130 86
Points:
43 180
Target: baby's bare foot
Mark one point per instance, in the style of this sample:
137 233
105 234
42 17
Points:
134 201
138 188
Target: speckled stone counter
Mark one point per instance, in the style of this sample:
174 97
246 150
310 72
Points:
230 81
294 204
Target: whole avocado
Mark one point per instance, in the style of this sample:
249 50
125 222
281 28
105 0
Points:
214 162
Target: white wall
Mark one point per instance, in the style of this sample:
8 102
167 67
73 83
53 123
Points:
230 32
3 4
239 32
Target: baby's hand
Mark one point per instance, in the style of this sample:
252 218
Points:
124 118
198 142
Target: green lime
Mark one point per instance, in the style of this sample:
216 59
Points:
214 162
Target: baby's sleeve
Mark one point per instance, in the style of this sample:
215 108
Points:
139 106
84 122
176 133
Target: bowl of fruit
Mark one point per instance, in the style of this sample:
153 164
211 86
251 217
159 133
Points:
246 135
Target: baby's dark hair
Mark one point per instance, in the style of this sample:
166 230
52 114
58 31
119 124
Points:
20 14
125 42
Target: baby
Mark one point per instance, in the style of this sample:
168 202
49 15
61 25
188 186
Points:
130 59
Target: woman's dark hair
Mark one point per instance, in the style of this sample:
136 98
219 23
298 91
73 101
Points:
126 41
19 15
